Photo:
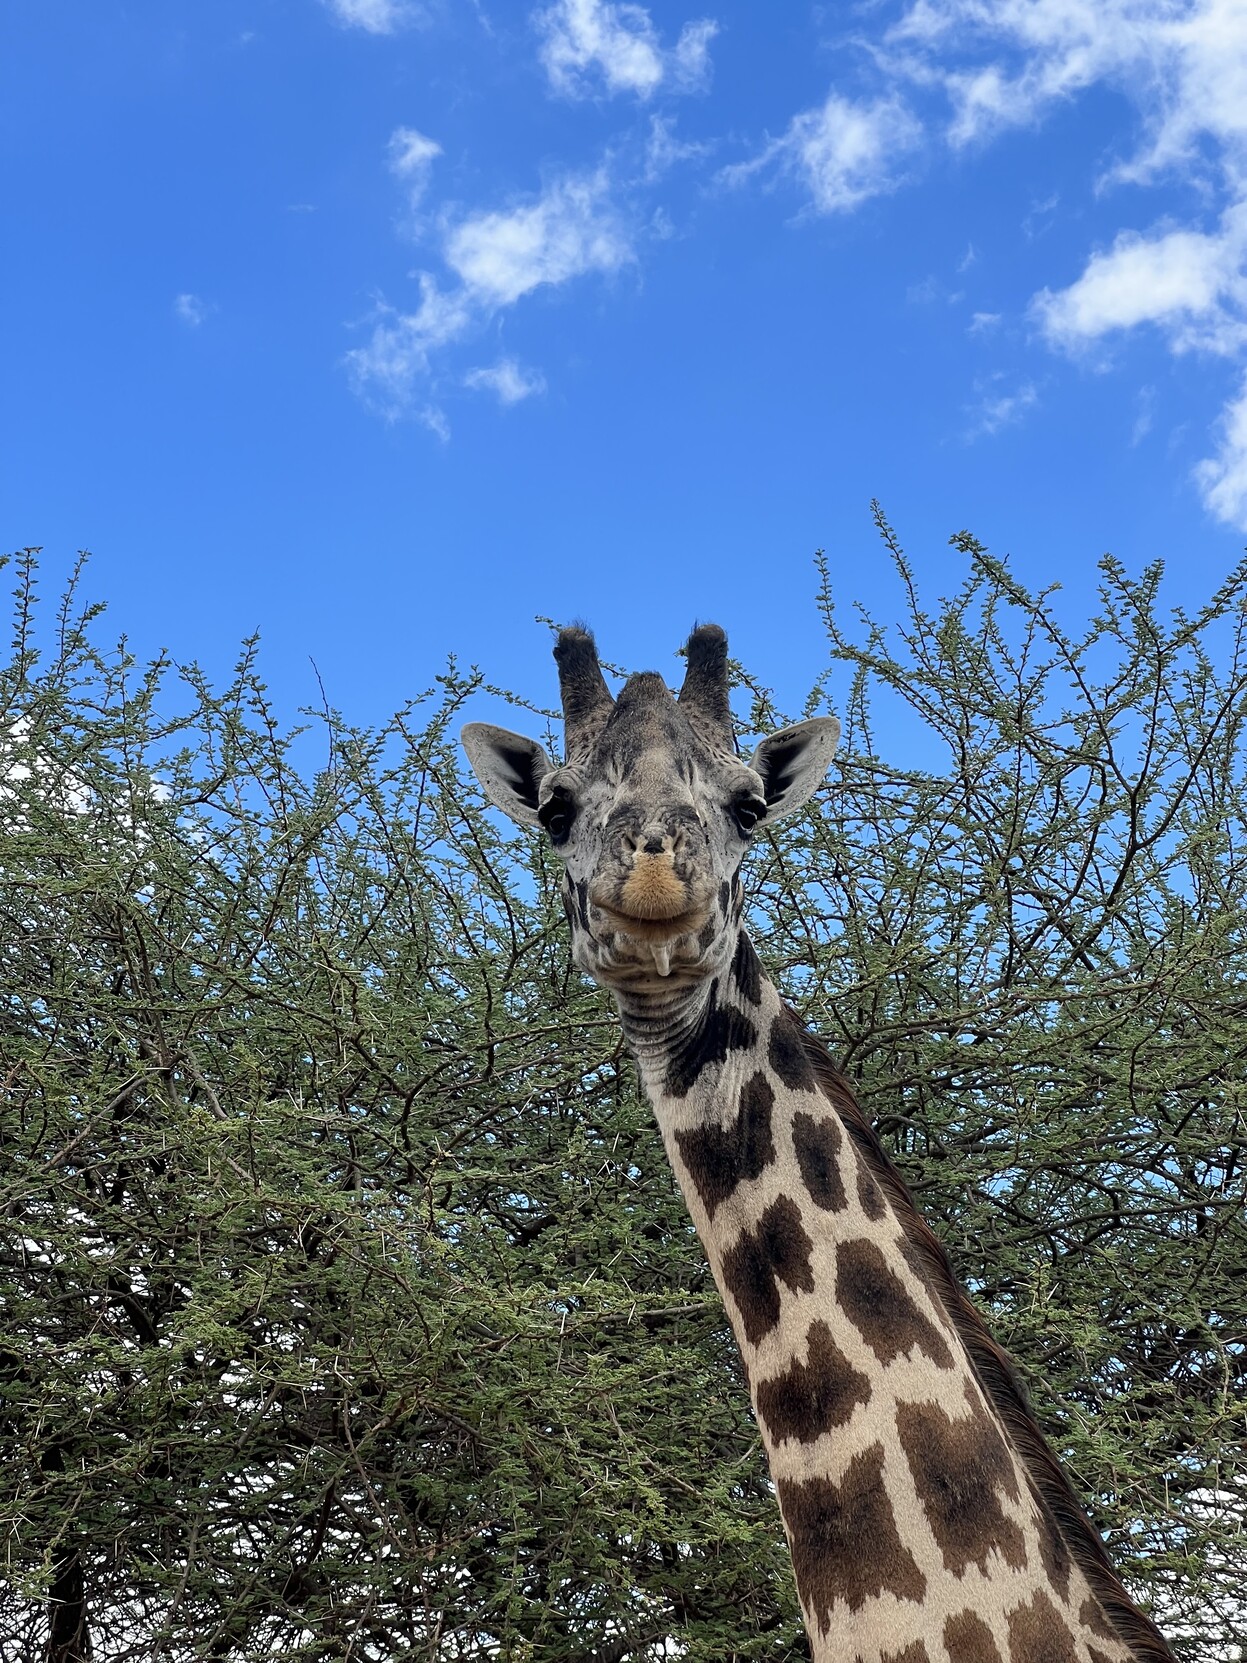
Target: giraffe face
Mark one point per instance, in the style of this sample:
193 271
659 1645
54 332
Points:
651 816
651 829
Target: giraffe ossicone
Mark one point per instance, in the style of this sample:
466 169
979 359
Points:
928 1520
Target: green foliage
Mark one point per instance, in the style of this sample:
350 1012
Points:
348 1308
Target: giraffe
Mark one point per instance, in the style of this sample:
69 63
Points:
927 1519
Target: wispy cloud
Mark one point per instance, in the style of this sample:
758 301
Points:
571 229
1223 476
411 157
997 409
508 380
1183 63
589 46
1192 287
663 150
844 152
397 358
1000 64
1041 216
958 73
948 74
377 17
1145 415
191 310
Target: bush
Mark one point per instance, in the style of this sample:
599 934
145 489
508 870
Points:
348 1307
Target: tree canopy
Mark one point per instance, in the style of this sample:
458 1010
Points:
348 1306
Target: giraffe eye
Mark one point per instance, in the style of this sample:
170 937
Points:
747 812
557 816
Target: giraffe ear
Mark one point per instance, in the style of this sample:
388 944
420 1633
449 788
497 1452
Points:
509 767
793 763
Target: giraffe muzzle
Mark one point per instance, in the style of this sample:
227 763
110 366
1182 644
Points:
652 889
652 902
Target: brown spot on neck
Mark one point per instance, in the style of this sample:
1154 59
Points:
1054 1553
878 1304
869 1195
778 1250
1092 1619
786 1053
959 1469
746 971
845 1544
968 1639
719 1158
1038 1634
817 1142
811 1398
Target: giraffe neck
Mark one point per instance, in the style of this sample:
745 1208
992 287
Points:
928 1523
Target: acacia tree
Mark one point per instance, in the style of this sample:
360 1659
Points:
347 1305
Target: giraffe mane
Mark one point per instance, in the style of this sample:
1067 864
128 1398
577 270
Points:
992 1366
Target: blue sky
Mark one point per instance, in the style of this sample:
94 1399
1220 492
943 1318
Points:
384 327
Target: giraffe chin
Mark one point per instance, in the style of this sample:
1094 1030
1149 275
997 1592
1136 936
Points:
632 952
638 966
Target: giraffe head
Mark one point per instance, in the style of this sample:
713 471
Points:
652 811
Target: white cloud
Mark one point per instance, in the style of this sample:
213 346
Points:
1192 287
59 787
1223 478
1004 63
1186 61
571 229
982 322
1208 75
1187 282
844 151
619 43
508 380
378 17
191 309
